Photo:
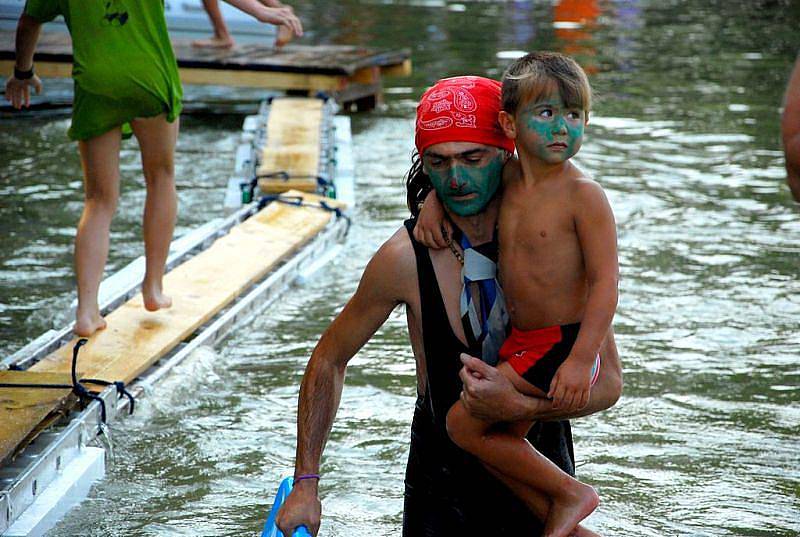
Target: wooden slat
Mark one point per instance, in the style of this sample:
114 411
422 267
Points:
401 69
292 145
22 409
135 339
261 79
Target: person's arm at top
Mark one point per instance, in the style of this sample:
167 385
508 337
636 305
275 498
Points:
382 287
790 131
280 15
18 92
597 235
489 395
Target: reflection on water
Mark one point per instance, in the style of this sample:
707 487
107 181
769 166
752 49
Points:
685 140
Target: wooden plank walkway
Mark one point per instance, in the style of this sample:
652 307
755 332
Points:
292 147
349 74
200 288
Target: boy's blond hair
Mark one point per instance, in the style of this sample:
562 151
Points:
536 73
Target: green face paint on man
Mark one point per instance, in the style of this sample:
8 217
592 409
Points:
467 182
552 130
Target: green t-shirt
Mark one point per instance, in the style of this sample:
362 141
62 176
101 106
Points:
123 66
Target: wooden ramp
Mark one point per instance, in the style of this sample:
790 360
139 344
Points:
200 288
351 75
290 158
135 338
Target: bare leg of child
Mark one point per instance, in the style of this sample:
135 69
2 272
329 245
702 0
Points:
538 503
507 451
222 38
157 138
100 162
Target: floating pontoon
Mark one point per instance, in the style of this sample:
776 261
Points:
56 394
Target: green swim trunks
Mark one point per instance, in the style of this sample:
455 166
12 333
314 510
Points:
123 66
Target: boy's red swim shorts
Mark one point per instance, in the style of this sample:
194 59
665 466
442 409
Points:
537 354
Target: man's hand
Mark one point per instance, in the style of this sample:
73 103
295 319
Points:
18 92
281 16
432 223
301 508
571 384
488 394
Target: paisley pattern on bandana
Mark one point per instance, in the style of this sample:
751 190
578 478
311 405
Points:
461 109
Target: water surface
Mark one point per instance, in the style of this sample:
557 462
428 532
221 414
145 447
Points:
685 140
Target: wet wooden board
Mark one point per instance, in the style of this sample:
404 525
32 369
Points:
292 146
349 73
135 338
22 409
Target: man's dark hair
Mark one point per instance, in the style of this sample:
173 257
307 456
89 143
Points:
418 184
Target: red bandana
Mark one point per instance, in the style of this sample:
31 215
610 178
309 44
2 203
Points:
461 109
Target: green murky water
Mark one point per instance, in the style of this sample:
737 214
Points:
685 140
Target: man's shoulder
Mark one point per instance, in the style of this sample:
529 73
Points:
396 255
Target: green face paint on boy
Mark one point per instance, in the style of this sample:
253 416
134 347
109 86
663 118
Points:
552 130
463 187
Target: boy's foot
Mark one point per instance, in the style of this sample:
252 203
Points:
285 35
154 298
568 511
87 324
214 42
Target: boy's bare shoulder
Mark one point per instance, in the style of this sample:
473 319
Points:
580 184
586 193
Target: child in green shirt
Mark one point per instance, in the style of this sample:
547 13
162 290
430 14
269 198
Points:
126 82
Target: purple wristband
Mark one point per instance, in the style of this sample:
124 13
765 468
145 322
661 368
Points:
306 476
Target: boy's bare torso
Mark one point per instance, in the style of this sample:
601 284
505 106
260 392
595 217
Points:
541 261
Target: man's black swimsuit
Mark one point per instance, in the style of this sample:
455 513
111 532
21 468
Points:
448 492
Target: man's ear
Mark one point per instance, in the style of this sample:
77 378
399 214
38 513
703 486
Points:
506 121
586 121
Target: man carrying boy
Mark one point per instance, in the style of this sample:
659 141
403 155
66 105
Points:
558 265
447 491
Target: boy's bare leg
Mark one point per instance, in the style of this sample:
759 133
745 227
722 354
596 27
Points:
222 37
100 162
538 503
509 453
157 138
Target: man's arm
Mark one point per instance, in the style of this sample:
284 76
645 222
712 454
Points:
489 395
597 234
18 91
790 130
383 286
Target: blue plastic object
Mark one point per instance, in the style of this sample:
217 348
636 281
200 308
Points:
270 529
